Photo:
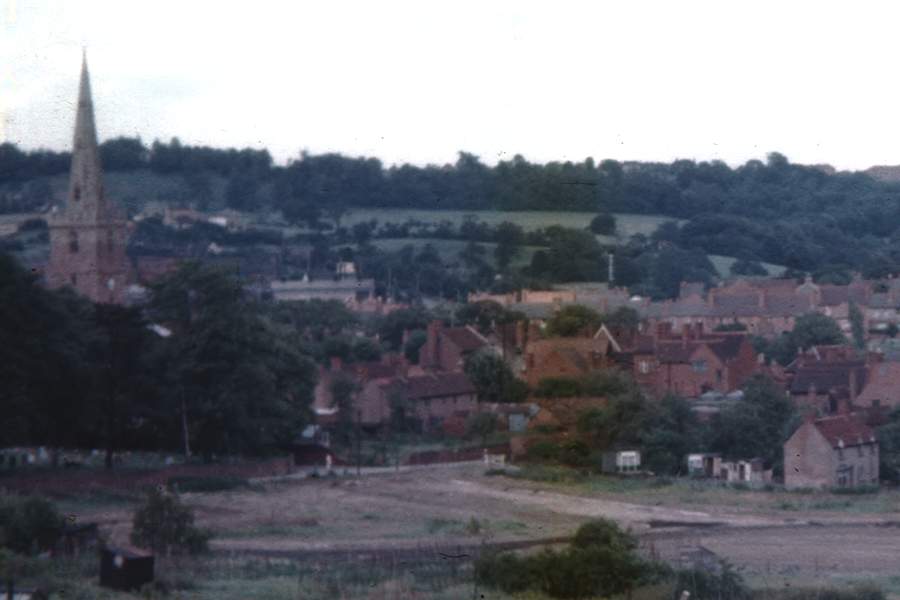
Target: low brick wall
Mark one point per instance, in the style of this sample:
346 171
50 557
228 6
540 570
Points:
65 482
445 456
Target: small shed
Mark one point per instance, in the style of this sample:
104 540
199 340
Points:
704 464
125 568
621 461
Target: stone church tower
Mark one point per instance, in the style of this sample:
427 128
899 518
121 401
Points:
88 236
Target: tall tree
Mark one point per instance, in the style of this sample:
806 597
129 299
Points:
124 387
242 385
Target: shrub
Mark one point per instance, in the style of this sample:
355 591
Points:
543 450
726 585
29 525
504 571
574 453
603 533
600 561
166 526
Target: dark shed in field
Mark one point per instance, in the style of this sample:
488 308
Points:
125 569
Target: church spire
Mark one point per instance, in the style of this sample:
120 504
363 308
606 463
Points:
86 178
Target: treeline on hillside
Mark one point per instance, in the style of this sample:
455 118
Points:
775 211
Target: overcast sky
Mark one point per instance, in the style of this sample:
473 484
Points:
418 81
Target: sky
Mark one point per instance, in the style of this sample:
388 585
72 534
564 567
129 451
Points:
419 81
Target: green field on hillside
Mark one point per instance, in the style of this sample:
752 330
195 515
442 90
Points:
723 266
628 224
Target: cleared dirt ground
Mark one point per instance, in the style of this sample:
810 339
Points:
450 506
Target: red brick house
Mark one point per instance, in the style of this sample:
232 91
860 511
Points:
363 373
881 392
568 356
427 399
822 376
446 348
692 363
840 451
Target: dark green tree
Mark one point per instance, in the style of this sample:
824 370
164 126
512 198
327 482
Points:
240 384
509 238
573 320
494 379
757 426
603 224
857 326
814 329
166 526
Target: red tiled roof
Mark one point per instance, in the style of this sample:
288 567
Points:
465 338
371 370
844 430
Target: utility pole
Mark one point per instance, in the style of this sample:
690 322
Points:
358 442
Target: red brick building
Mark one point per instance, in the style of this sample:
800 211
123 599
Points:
89 235
446 348
567 356
834 452
692 363
427 400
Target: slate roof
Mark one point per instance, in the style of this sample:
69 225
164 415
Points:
844 431
827 376
725 347
434 385
884 384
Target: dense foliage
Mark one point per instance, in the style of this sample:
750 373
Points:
600 562
166 526
228 380
28 525
803 217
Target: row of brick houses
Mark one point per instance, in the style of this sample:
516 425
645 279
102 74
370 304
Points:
766 307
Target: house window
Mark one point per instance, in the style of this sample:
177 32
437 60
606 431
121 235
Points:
718 375
76 193
73 242
699 366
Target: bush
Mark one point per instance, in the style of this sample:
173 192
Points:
603 533
574 453
859 592
727 585
166 526
600 561
603 224
29 525
542 450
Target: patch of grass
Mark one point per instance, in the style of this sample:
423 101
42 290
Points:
441 525
207 484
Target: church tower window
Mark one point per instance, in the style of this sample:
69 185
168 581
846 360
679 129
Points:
76 194
73 242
